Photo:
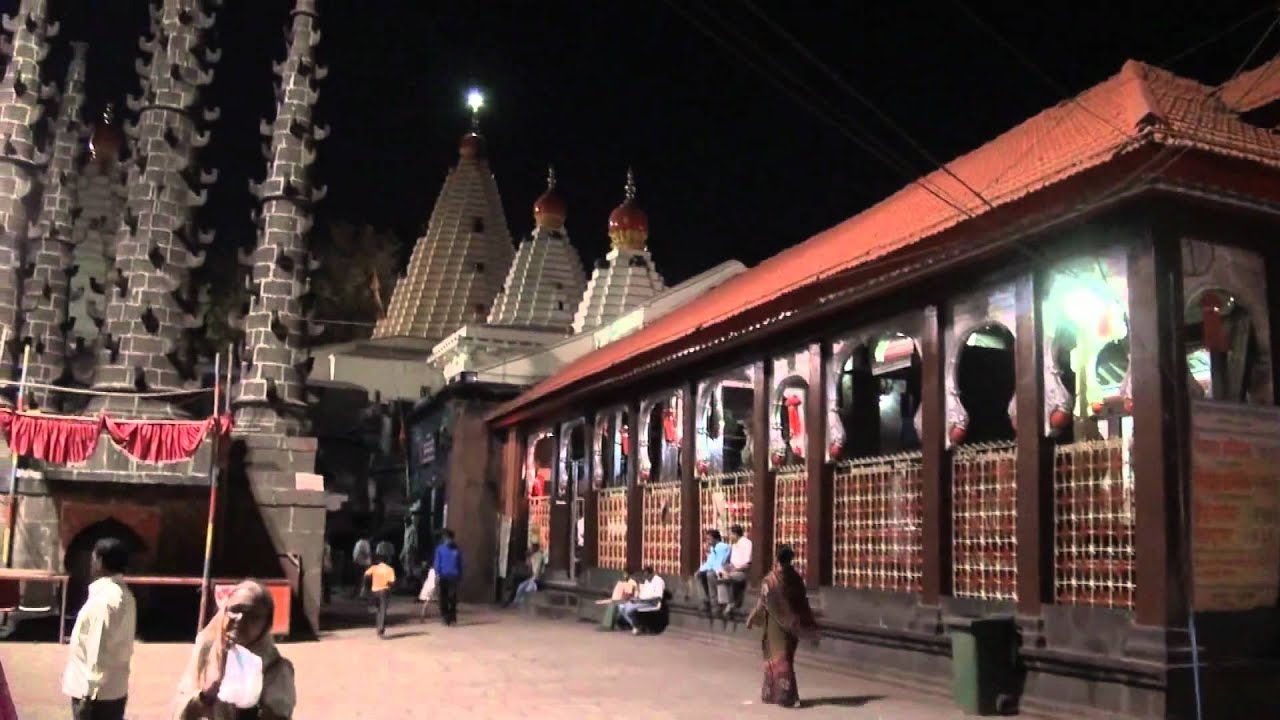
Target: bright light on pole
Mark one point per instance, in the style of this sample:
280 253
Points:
475 100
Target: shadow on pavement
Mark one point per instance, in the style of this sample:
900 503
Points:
850 701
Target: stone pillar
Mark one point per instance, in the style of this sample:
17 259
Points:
817 571
45 294
472 506
21 111
293 519
590 504
635 498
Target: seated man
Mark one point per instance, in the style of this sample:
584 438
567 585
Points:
647 599
733 577
717 556
623 591
526 577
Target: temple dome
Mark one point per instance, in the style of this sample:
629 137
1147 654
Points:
472 145
549 209
628 224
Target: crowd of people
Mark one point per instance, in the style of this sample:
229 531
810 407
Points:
235 671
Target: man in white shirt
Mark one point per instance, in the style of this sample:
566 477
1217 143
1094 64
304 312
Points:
97 674
733 578
648 598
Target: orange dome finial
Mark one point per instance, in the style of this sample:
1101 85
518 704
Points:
548 209
628 224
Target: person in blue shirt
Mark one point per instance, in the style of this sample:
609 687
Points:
717 555
448 567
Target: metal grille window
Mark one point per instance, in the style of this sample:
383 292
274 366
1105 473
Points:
878 517
984 518
611 504
540 521
660 548
790 512
1093 523
725 500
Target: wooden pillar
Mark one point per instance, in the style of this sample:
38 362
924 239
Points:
560 554
515 501
1034 454
635 500
762 476
590 504
935 463
690 533
818 530
1160 416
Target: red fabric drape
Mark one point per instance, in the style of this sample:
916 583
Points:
64 440
154 442
794 423
669 425
57 440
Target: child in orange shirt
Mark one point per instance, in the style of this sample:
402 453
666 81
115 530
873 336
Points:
381 578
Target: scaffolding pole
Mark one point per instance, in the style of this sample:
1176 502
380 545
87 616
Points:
213 494
11 528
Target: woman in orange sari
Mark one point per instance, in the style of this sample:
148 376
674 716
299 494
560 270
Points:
244 619
784 612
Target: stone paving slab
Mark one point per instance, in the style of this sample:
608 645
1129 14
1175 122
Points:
496 665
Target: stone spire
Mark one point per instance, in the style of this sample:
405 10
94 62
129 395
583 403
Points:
44 298
546 278
21 93
100 197
458 266
625 278
270 396
146 312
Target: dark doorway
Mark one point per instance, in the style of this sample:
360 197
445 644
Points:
985 380
80 551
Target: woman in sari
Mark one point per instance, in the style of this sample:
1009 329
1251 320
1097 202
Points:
244 620
784 612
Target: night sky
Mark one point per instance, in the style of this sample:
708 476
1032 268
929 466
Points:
727 163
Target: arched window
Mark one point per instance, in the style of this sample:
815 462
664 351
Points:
877 396
985 380
654 438
789 407
1221 348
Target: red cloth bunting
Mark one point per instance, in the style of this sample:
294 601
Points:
157 442
62 440
53 439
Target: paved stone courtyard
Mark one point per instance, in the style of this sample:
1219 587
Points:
496 665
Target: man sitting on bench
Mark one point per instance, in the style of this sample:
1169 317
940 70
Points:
733 577
649 599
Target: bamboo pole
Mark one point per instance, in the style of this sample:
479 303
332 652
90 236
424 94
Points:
11 528
213 493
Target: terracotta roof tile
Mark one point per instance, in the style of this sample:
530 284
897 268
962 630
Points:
1253 89
1139 105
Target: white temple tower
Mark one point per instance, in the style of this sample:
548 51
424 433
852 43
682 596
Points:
626 278
546 279
458 266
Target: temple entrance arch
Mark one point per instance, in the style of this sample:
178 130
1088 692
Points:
80 550
985 382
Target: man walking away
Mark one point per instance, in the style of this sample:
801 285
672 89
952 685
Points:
448 567
97 674
362 556
381 578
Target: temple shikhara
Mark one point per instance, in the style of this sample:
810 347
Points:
1033 392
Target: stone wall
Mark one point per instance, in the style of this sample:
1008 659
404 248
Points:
473 499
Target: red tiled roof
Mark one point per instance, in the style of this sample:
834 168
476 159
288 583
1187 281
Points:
1253 89
1139 105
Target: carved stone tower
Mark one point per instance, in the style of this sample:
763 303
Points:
270 397
21 93
146 311
44 298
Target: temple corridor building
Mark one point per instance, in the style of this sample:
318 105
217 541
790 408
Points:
1037 385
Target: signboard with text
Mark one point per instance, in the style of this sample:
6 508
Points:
1235 505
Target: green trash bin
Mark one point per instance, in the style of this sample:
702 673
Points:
984 657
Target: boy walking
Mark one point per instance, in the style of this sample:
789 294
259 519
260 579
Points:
448 567
382 578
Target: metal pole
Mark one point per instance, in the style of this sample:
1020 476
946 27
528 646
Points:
11 528
213 495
